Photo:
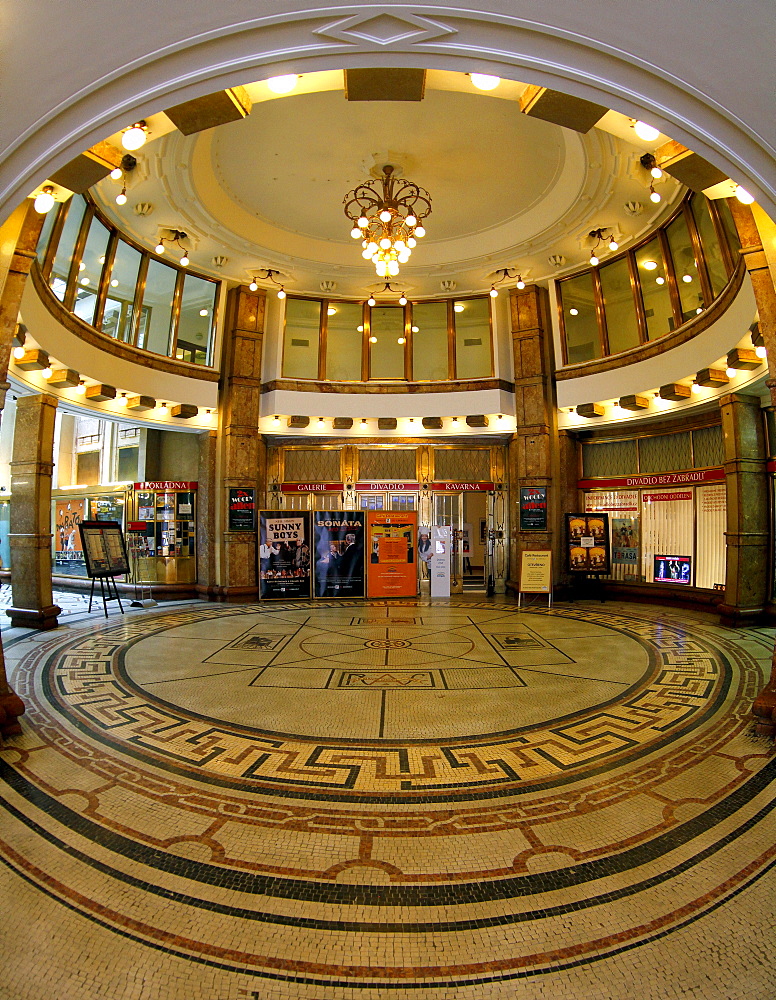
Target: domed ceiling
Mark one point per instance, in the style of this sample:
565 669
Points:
508 190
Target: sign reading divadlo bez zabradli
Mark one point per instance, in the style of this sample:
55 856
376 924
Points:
533 508
242 508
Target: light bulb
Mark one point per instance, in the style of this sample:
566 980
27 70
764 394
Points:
283 84
574 312
416 329
645 132
372 247
135 136
46 372
493 292
731 372
44 201
81 266
412 242
366 254
121 197
404 256
114 283
373 340
483 81
385 215
655 196
253 285
276 421
159 248
101 259
282 293
660 280
360 329
403 300
400 245
355 232
185 260
371 301
81 389
696 388
393 268
381 268
613 245
84 281
459 307
117 173
411 220
657 173
18 353
520 283
687 278
760 351
363 222
385 243
203 312
420 231
743 195
401 340
593 260
649 265
331 311
699 310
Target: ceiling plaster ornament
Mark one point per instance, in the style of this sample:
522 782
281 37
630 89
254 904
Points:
219 260
448 285
328 286
557 259
143 208
633 208
385 30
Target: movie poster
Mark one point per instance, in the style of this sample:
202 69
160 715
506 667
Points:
392 565
284 554
339 553
625 541
588 543
68 551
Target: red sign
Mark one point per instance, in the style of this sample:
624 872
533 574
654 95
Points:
688 478
165 485
382 487
137 526
675 495
461 487
311 487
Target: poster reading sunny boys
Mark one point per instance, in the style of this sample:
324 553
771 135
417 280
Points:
284 554
391 561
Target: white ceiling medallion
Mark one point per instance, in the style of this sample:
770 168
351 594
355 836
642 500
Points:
385 29
328 286
633 208
448 285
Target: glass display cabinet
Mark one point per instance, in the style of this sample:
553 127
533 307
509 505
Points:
169 511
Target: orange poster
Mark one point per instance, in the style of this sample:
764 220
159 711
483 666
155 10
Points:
391 564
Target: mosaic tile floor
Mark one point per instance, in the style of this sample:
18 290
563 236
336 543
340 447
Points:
316 801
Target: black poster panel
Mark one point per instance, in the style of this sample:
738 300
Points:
587 543
242 508
284 554
339 553
533 508
103 547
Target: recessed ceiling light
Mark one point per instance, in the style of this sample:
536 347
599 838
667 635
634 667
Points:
649 265
283 84
483 81
645 132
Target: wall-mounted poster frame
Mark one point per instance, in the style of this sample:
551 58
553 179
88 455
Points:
533 508
392 560
242 508
284 555
587 543
339 553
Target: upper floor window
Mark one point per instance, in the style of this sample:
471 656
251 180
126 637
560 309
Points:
353 342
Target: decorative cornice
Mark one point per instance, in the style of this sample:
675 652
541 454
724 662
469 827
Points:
378 388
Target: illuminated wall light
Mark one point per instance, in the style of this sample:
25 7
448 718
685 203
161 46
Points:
116 174
320 421
455 420
699 310
484 81
493 292
646 132
81 266
371 301
360 329
613 244
135 137
121 197
593 260
695 388
654 196
520 283
282 293
253 285
283 84
363 422
44 200
403 300
46 372
84 281
159 248
185 260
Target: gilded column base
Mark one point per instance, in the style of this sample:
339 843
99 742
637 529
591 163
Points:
40 619
11 707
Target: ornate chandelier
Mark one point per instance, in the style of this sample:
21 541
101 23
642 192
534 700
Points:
389 221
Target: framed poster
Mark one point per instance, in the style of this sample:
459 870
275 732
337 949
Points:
533 508
339 553
67 541
284 554
673 569
241 508
392 563
536 572
587 543
104 548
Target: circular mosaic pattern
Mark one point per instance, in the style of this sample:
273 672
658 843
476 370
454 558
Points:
387 644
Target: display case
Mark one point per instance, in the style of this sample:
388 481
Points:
71 506
169 512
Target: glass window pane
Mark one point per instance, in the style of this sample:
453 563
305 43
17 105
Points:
429 341
655 293
301 337
386 354
45 233
117 315
343 343
723 207
90 271
685 267
64 254
621 324
196 320
472 338
712 252
154 332
579 318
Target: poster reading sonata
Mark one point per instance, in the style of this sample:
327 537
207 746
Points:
284 554
339 553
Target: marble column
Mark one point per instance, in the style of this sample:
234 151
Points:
30 535
242 449
753 252
532 452
207 514
21 232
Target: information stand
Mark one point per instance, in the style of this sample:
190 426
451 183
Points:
535 574
106 558
140 561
